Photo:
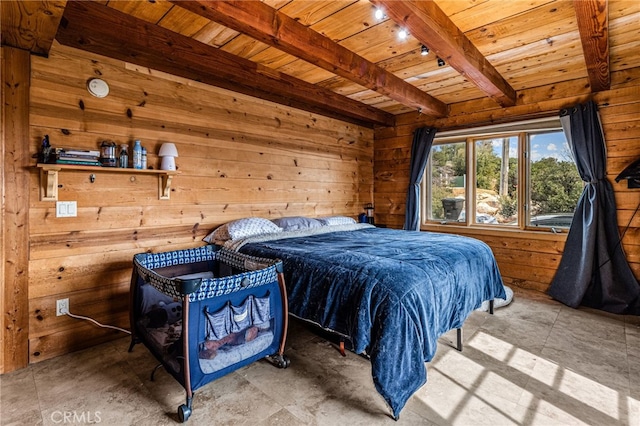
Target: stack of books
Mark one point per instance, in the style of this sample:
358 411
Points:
83 157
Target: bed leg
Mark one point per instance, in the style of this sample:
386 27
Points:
459 339
491 306
342 352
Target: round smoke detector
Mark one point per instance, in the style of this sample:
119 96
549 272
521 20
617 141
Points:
98 88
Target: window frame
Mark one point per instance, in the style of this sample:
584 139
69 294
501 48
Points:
520 129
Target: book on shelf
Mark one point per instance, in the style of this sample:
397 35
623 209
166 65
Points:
78 151
65 155
78 162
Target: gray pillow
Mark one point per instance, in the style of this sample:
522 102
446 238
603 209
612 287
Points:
295 223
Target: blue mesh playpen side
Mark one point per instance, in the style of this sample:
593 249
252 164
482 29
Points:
206 312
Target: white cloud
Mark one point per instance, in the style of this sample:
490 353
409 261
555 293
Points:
552 147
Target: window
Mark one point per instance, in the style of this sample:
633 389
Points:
496 194
519 176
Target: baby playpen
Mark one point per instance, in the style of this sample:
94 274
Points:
205 312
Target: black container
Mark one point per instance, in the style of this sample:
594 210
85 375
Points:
108 154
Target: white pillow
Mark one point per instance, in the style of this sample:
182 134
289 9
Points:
336 220
242 228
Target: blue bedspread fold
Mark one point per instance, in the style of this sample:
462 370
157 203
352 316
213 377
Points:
392 292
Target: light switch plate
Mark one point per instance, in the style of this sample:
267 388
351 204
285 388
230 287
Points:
66 208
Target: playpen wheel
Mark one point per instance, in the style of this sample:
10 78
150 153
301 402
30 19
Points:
184 413
285 361
282 361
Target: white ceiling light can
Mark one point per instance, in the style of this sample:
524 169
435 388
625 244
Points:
379 14
97 87
403 34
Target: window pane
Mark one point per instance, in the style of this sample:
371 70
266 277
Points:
496 200
448 180
555 184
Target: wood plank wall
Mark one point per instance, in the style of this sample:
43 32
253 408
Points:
238 156
526 259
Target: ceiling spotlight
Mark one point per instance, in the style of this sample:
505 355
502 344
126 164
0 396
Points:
424 50
403 34
379 14
441 62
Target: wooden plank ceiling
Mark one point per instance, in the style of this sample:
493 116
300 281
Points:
336 58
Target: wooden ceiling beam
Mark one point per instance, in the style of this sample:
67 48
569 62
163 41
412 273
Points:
593 25
129 39
30 25
266 24
426 22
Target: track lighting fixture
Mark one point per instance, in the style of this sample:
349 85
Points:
441 62
424 50
403 34
379 14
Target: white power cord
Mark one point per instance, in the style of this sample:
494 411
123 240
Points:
97 323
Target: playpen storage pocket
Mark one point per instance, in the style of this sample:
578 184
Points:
236 332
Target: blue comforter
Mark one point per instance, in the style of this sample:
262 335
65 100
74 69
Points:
392 292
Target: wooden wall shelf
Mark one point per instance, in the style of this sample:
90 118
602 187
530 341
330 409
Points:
49 178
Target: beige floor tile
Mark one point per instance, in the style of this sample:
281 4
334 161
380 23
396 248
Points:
444 401
592 325
82 379
535 362
605 363
633 406
317 376
528 335
530 306
19 399
633 358
632 324
562 393
232 400
281 418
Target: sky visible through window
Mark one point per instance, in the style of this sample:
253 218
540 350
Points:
543 145
547 145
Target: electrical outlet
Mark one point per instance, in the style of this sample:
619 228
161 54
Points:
62 307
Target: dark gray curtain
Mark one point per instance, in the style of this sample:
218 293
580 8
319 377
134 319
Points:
593 270
420 148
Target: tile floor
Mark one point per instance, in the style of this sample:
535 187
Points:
535 362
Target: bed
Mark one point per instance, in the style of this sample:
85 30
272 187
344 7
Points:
392 293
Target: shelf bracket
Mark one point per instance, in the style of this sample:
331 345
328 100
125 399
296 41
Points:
49 184
164 186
